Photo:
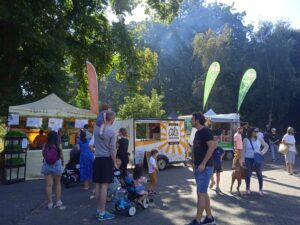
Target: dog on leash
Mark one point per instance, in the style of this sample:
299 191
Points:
238 174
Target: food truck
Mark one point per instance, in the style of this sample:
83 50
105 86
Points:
222 125
165 135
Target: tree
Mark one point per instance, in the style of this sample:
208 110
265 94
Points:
142 106
276 80
44 46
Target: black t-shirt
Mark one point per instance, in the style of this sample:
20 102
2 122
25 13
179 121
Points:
200 146
274 137
267 137
123 148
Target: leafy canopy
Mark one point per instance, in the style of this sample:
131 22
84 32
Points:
142 106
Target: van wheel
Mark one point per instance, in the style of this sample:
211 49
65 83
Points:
162 164
229 155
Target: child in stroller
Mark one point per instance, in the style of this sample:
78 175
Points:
71 172
134 193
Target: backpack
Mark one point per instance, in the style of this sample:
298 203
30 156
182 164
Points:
50 154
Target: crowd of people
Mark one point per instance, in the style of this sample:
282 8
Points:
248 155
99 152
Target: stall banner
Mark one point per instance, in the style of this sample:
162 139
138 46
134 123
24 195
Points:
211 77
93 87
13 118
34 122
173 133
55 123
247 81
79 123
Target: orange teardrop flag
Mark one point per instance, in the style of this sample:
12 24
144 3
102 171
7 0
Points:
93 87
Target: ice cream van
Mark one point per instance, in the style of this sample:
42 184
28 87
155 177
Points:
165 135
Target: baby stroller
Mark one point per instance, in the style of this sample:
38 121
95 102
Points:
127 198
115 186
71 174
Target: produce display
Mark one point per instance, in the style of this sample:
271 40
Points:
15 134
13 147
14 161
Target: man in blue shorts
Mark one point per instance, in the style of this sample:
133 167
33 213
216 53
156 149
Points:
203 148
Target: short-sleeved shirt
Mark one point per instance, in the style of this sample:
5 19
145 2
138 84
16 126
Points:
40 140
290 139
123 148
152 165
217 156
267 137
200 146
104 145
100 118
238 141
274 137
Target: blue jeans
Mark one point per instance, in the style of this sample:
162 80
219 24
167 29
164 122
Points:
274 150
249 168
203 178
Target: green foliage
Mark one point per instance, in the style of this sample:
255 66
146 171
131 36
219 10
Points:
142 106
45 44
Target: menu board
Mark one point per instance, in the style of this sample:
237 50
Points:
79 123
34 122
55 123
13 118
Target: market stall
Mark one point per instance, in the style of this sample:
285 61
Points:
222 125
49 113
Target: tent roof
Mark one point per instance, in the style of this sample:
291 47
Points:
223 118
52 106
210 113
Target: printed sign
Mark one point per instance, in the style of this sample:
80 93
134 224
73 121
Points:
55 123
173 133
13 118
34 122
79 123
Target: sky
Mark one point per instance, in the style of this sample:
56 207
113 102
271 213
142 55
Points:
256 10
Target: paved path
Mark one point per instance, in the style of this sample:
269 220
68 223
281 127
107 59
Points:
24 203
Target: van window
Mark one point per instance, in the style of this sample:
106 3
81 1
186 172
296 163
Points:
148 131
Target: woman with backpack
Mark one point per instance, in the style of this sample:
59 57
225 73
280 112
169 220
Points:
254 157
52 168
86 160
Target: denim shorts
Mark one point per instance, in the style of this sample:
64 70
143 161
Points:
203 178
54 169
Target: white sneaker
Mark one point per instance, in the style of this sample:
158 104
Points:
248 192
58 204
261 193
50 205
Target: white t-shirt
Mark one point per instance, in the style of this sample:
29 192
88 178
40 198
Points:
290 139
152 165
260 135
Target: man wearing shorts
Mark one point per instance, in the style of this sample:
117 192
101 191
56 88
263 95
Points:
203 148
104 163
238 147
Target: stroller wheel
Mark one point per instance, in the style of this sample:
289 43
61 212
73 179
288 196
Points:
145 204
132 210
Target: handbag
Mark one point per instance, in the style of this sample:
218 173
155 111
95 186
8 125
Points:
283 149
258 158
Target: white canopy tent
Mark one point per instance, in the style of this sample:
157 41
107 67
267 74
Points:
217 118
52 106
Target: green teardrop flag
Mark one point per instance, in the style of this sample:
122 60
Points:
211 77
247 81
